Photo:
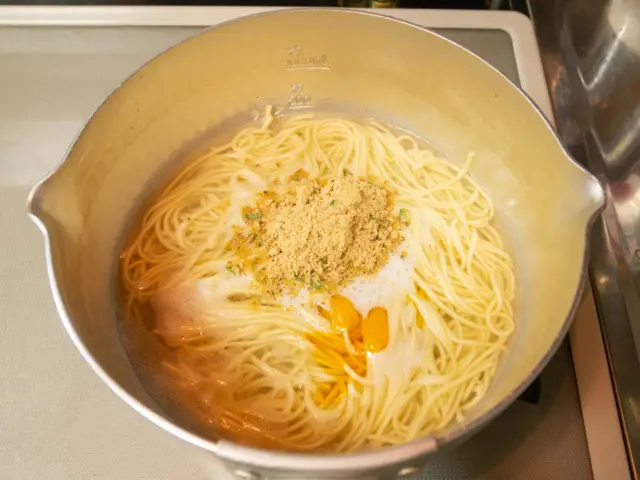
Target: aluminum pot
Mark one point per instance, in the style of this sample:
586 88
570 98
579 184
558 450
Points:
360 63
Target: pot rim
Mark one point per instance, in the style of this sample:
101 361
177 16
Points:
322 463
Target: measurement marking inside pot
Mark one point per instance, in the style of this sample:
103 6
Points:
307 68
299 99
295 60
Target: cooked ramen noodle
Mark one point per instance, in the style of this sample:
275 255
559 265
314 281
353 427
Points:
383 353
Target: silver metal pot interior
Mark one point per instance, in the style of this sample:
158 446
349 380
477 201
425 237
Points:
359 64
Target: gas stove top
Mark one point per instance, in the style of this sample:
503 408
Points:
60 422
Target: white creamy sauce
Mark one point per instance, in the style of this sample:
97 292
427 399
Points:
182 306
297 300
394 280
397 361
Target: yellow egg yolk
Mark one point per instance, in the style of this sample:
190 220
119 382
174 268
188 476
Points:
375 330
343 314
368 334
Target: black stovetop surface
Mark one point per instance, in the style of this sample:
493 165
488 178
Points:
518 5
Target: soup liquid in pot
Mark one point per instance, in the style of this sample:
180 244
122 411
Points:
380 359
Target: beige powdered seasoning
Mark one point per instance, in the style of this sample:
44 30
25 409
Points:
322 235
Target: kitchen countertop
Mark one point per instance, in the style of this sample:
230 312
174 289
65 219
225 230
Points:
58 421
